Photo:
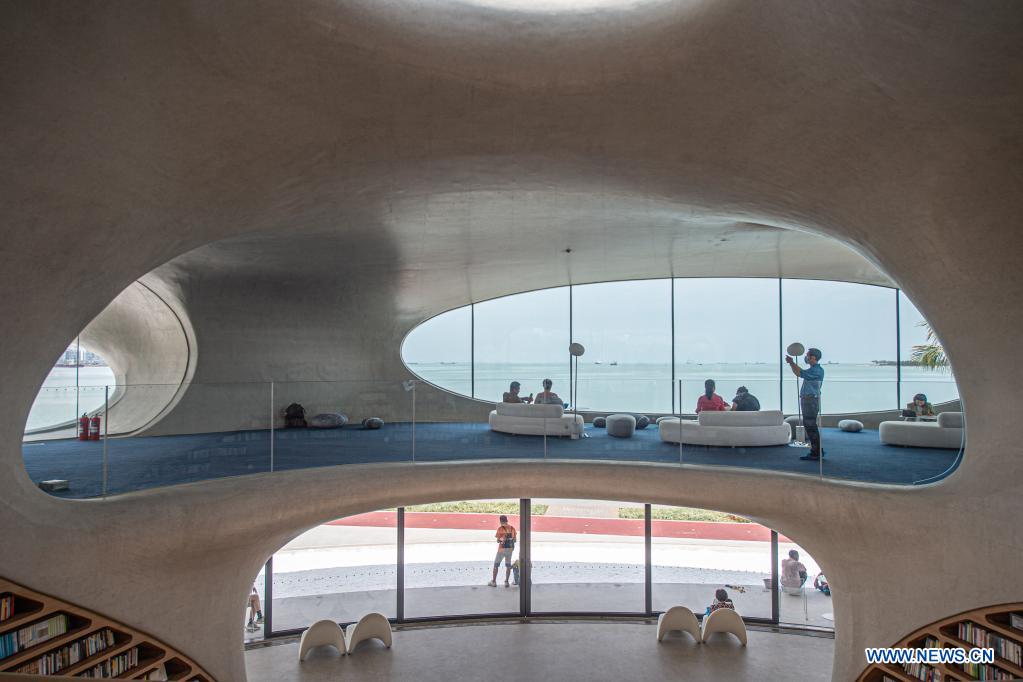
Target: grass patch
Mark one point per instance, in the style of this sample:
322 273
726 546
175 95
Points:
681 514
509 508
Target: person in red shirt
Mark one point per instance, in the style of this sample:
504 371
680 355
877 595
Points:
710 400
506 536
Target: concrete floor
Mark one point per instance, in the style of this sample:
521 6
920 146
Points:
563 651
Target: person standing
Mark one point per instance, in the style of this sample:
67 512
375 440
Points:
810 398
506 536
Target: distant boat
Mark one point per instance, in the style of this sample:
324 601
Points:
596 362
613 363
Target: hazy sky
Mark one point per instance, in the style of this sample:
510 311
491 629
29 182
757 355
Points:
716 320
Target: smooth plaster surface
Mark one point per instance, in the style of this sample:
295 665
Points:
425 156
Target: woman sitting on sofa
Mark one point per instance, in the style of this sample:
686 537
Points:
710 400
918 408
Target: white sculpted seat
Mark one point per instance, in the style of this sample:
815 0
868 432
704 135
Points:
728 429
946 432
535 420
322 633
370 626
678 618
724 620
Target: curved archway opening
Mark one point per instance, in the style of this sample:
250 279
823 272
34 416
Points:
437 561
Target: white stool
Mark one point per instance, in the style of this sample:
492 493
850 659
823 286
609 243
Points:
678 618
370 626
724 620
322 633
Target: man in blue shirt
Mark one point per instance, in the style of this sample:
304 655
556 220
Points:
810 398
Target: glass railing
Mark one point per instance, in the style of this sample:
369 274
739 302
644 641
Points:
152 435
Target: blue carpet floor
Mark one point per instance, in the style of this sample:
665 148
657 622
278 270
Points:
138 463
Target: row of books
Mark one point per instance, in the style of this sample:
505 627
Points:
6 607
69 654
983 671
114 666
982 637
922 671
30 635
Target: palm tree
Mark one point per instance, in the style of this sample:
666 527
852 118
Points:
931 354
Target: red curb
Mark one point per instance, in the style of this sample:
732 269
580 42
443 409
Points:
696 530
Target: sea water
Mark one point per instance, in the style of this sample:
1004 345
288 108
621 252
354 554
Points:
649 387
59 401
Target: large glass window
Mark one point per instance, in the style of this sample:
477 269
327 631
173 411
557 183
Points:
587 555
731 330
727 330
802 602
340 570
854 327
522 338
440 350
451 551
626 330
76 384
936 383
695 552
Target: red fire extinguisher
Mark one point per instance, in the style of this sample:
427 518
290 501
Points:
83 427
94 428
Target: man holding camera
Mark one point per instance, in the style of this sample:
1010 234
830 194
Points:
810 398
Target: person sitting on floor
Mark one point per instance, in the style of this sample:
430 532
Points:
710 400
512 394
547 396
793 572
918 408
721 601
744 401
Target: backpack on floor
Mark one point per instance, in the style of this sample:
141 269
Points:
294 417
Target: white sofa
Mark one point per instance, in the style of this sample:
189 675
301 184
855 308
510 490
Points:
534 420
946 432
728 429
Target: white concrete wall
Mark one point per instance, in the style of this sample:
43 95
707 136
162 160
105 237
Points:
406 159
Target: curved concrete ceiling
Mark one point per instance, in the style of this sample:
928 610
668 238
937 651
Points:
136 133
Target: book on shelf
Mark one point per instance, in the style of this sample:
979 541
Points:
1016 620
922 671
985 671
30 635
115 665
979 636
6 607
68 655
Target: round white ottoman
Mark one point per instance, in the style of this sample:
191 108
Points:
850 425
620 425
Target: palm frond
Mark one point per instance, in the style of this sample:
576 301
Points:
931 354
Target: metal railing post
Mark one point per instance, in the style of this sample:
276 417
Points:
414 382
271 427
106 436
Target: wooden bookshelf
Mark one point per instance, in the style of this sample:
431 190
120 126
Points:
993 619
32 607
